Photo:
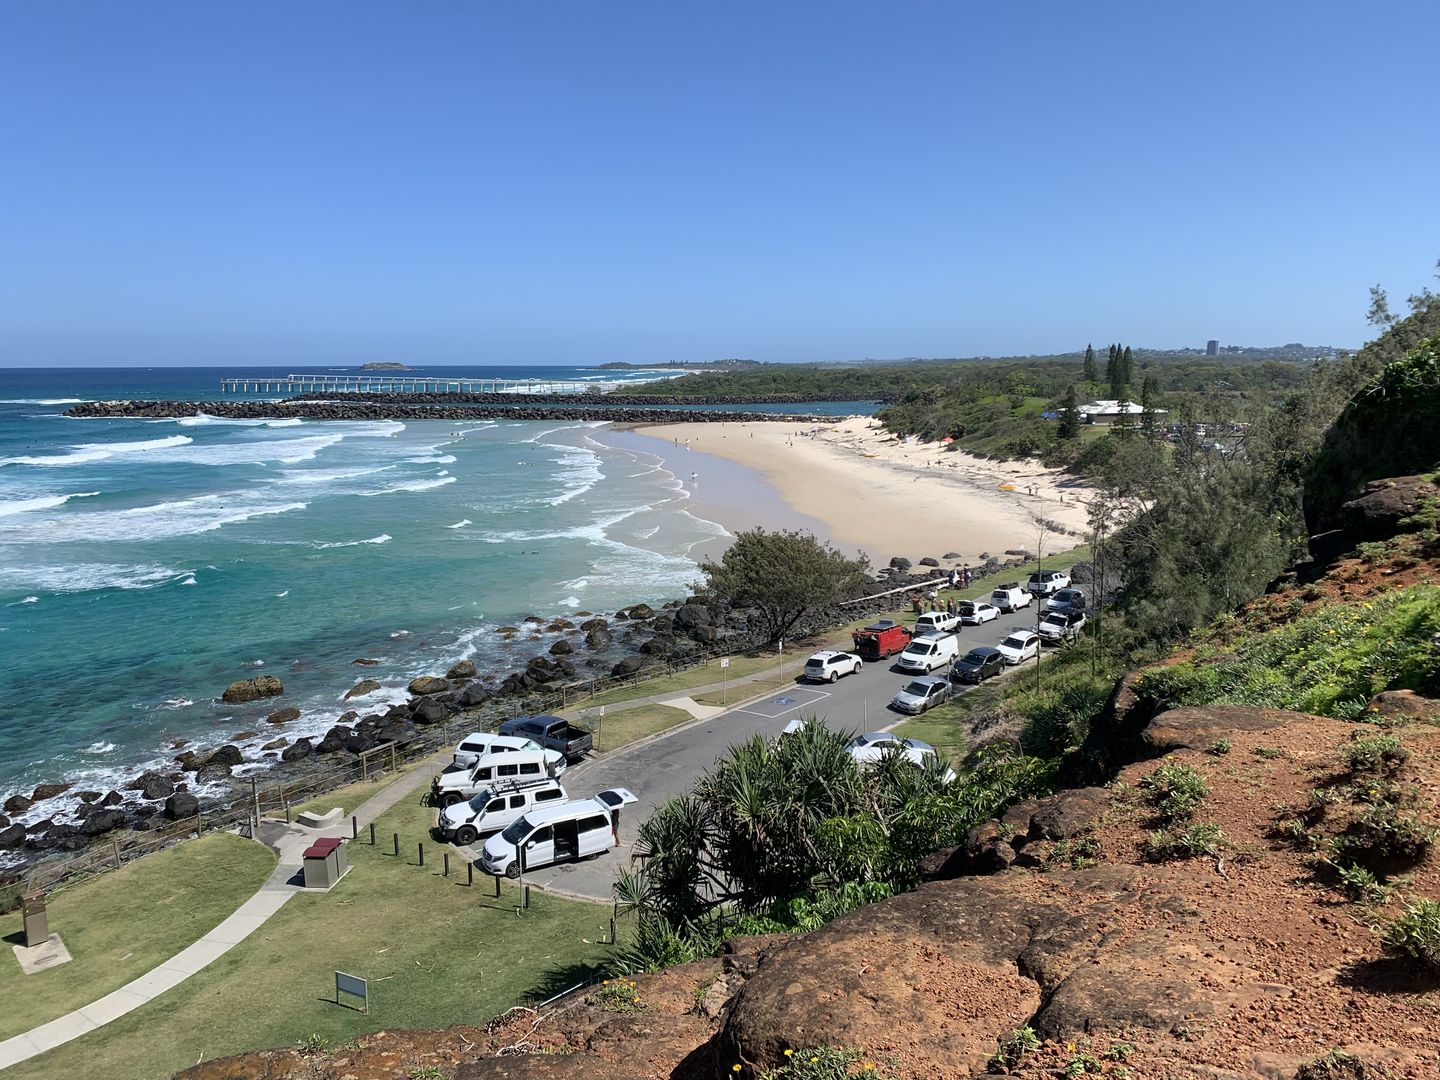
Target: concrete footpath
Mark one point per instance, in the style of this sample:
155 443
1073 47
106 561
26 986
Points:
283 883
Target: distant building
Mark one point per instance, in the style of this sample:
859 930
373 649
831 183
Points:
1107 412
1212 347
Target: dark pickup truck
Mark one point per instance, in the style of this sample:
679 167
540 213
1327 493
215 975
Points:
553 733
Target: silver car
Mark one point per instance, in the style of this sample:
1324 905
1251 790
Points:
921 694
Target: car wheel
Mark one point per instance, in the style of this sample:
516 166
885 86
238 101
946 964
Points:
858 665
513 870
466 835
450 798
834 677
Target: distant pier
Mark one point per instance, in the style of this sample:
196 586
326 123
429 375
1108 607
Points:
400 383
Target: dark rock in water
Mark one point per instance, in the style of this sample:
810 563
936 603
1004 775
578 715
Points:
428 684
350 714
299 750
17 804
953 555
594 624
243 690
4 822
12 837
583 614
49 791
641 611
899 563
507 630
365 661
628 666
57 838
929 561
181 805
103 821
189 760
622 615
559 625
472 695
561 648
276 744
87 796
599 638
218 765
334 740
364 686
241 736
156 787
533 619
283 716
689 616
662 624
397 712
112 798
464 669
429 711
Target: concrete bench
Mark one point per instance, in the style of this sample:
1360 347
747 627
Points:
311 820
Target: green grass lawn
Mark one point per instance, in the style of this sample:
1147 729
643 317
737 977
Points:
121 924
436 952
620 728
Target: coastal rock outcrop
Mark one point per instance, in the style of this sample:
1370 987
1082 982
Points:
299 750
218 765
428 684
360 689
12 837
463 669
246 690
283 716
181 805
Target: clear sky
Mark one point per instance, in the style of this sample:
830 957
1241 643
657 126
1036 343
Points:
465 182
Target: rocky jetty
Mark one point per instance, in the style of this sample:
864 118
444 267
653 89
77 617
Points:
375 407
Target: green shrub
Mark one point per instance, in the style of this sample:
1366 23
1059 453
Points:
1415 933
619 995
1384 832
1360 885
1175 791
1014 1047
1219 748
819 1063
1200 838
1373 753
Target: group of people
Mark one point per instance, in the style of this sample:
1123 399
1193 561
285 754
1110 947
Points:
960 578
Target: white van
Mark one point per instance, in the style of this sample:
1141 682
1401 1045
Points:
451 787
928 652
479 743
552 834
1011 597
497 806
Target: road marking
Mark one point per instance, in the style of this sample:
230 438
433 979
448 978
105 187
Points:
778 707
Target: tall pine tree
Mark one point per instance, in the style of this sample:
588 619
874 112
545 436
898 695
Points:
1069 416
1090 375
1127 367
1112 372
1148 427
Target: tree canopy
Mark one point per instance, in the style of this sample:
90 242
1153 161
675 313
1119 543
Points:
783 576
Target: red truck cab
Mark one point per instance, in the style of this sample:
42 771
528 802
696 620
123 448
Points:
880 640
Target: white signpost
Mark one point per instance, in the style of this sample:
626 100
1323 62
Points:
352 985
724 687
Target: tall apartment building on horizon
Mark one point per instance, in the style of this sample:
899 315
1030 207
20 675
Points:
1212 347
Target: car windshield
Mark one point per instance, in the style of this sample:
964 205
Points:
919 689
479 801
920 648
974 658
1015 642
517 831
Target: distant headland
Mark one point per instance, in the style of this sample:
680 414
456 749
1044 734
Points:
385 365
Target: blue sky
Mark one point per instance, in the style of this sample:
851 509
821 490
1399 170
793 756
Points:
578 182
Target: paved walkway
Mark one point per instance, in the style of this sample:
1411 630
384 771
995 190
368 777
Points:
282 884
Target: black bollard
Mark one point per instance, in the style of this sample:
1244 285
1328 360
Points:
372 834
421 846
470 875
397 845
354 827
447 863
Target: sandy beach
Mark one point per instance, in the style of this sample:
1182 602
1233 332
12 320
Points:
883 495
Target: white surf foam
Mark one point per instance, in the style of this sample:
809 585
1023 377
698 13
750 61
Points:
417 485
85 453
43 502
99 748
438 459
44 400
460 524
85 577
206 420
383 538
181 517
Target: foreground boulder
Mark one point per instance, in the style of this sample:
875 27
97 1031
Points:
360 689
283 716
463 669
181 805
243 690
218 765
428 684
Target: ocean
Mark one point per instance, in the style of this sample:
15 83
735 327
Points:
146 564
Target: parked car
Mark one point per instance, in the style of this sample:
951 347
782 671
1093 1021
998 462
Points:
553 733
1045 582
828 666
937 622
461 785
1010 597
479 743
927 653
869 748
1020 646
1059 626
880 639
496 806
975 612
557 833
1067 600
921 694
978 665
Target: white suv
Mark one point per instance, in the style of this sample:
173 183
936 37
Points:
936 622
828 666
1045 582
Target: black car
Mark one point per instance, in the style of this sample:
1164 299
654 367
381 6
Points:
977 665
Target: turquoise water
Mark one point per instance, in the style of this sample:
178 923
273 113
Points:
146 564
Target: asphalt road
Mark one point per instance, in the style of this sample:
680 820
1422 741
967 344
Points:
661 768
